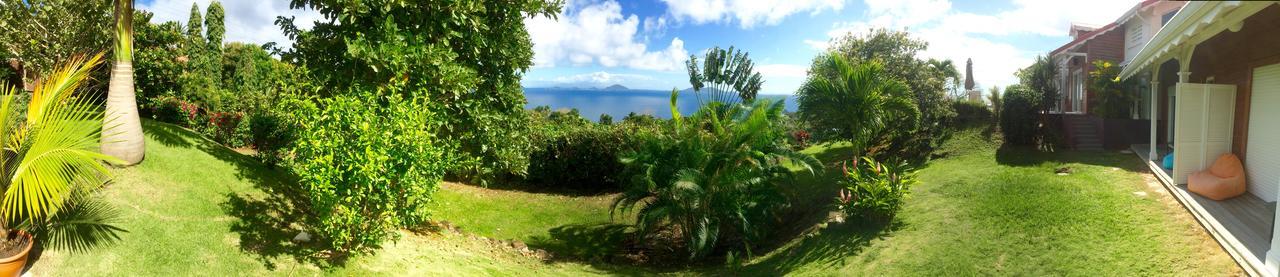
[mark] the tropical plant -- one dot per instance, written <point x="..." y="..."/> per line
<point x="471" y="54"/>
<point x="874" y="191"/>
<point x="726" y="76"/>
<point x="713" y="178"/>
<point x="947" y="69"/>
<point x="971" y="113"/>
<point x="124" y="141"/>
<point x="1041" y="77"/>
<point x="52" y="165"/>
<point x="1018" y="115"/>
<point x="1112" y="97"/>
<point x="857" y="103"/>
<point x="898" y="52"/>
<point x="369" y="163"/>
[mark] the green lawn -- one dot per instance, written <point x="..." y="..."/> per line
<point x="197" y="208"/>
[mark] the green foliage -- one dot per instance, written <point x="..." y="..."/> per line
<point x="713" y="178"/>
<point x="1112" y="97"/>
<point x="996" y="102"/>
<point x="857" y="102"/>
<point x="580" y="155"/>
<point x="215" y="28"/>
<point x="724" y="74"/>
<point x="970" y="113"/>
<point x="874" y="191"/>
<point x="470" y="53"/>
<point x="605" y="119"/>
<point x="1041" y="77"/>
<point x="195" y="27"/>
<point x="926" y="80"/>
<point x="51" y="161"/>
<point x="368" y="163"/>
<point x="157" y="49"/>
<point x="1019" y="115"/>
<point x="42" y="33"/>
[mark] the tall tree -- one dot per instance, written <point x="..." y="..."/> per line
<point x="897" y="52"/>
<point x="214" y="27"/>
<point x="194" y="27"/>
<point x="466" y="56"/>
<point x="122" y="129"/>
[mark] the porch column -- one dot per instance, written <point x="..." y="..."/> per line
<point x="1184" y="76"/>
<point x="1155" y="107"/>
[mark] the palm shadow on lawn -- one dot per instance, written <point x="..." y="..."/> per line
<point x="266" y="221"/>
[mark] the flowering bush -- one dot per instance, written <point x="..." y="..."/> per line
<point x="801" y="138"/>
<point x="874" y="191"/>
<point x="224" y="125"/>
<point x="192" y="113"/>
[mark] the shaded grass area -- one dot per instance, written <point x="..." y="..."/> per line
<point x="988" y="210"/>
<point x="196" y="208"/>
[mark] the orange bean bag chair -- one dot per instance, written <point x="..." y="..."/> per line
<point x="1225" y="179"/>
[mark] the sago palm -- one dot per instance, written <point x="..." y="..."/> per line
<point x="125" y="140"/>
<point x="714" y="178"/>
<point x="51" y="162"/>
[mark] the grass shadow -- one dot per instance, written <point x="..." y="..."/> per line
<point x="268" y="218"/>
<point x="1022" y="156"/>
<point x="591" y="242"/>
<point x="828" y="248"/>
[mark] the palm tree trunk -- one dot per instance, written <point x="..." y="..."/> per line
<point x="122" y="131"/>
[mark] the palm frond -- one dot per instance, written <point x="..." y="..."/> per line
<point x="83" y="223"/>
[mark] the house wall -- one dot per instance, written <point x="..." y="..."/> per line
<point x="1230" y="57"/>
<point x="1142" y="27"/>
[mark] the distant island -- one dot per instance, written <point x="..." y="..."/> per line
<point x="616" y="87"/>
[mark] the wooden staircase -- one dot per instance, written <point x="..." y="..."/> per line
<point x="1082" y="133"/>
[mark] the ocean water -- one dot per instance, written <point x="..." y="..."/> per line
<point x="591" y="103"/>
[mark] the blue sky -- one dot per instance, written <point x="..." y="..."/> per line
<point x="644" y="43"/>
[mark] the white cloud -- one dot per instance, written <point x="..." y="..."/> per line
<point x="748" y="13"/>
<point x="601" y="78"/>
<point x="246" y="21"/>
<point x="782" y="78"/>
<point x="783" y="70"/>
<point x="598" y="33"/>
<point x="959" y="35"/>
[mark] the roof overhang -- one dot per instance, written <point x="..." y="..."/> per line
<point x="1195" y="23"/>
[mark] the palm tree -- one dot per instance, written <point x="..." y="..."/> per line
<point x="947" y="69"/>
<point x="51" y="165"/>
<point x="125" y="142"/>
<point x="859" y="103"/>
<point x="994" y="97"/>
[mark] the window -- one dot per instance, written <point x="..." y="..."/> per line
<point x="1164" y="19"/>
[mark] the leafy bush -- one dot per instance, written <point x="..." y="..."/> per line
<point x="165" y="108"/>
<point x="713" y="178"/>
<point x="369" y="164"/>
<point x="584" y="157"/>
<point x="1020" y="118"/>
<point x="269" y="133"/>
<point x="224" y="126"/>
<point x="969" y="113"/>
<point x="874" y="191"/>
<point x="1113" y="98"/>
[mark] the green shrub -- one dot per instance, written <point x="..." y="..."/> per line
<point x="582" y="157"/>
<point x="1020" y="119"/>
<point x="970" y="113"/>
<point x="165" y="108"/>
<point x="874" y="191"/>
<point x="368" y="164"/>
<point x="713" y="178"/>
<point x="269" y="133"/>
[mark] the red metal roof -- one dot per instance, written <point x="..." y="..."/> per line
<point x="1103" y="29"/>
